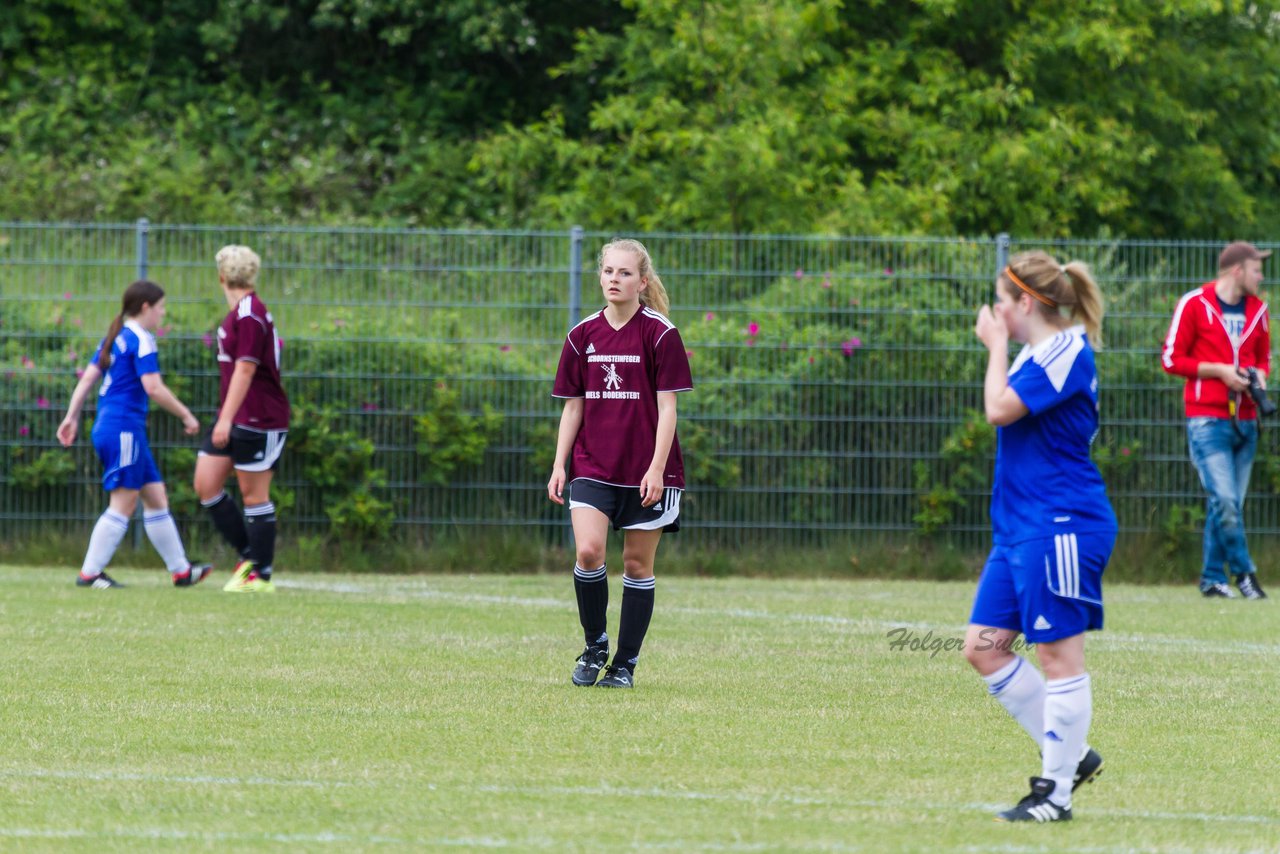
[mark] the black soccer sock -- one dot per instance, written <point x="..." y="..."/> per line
<point x="227" y="519"/>
<point x="637" y="608"/>
<point x="260" y="522"/>
<point x="592" y="589"/>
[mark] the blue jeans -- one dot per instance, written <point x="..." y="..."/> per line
<point x="1224" y="459"/>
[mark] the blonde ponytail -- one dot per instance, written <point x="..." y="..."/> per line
<point x="1088" y="307"/>
<point x="1059" y="289"/>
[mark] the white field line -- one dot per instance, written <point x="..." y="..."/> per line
<point x="940" y="633"/>
<point x="670" y="794"/>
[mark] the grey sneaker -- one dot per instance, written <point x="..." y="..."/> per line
<point x="1249" y="587"/>
<point x="590" y="663"/>
<point x="616" y="677"/>
<point x="1217" y="591"/>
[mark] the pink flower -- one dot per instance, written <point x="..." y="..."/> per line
<point x="811" y="360"/>
<point x="79" y="373"/>
<point x="77" y="322"/>
<point x="162" y="331"/>
<point x="799" y="273"/>
<point x="27" y="363"/>
<point x="851" y="345"/>
<point x="505" y="348"/>
<point x="753" y="329"/>
<point x="1124" y="452"/>
<point x="888" y="271"/>
<point x="711" y="315"/>
<point x="67" y="296"/>
<point x="24" y="430"/>
<point x="826" y="281"/>
<point x="688" y="354"/>
<point x="368" y="407"/>
<point x="42" y="402"/>
<point x="207" y="340"/>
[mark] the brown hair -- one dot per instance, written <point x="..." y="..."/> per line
<point x="141" y="293"/>
<point x="1056" y="287"/>
<point x="654" y="295"/>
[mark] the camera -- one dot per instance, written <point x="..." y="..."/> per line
<point x="1258" y="393"/>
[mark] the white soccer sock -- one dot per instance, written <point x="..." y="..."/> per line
<point x="163" y="533"/>
<point x="107" y="534"/>
<point x="1068" y="711"/>
<point x="1021" y="690"/>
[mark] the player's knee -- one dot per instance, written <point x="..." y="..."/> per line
<point x="633" y="568"/>
<point x="590" y="555"/>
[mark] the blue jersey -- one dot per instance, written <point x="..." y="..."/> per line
<point x="122" y="401"/>
<point x="1045" y="481"/>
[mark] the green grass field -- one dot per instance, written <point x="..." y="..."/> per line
<point x="435" y="713"/>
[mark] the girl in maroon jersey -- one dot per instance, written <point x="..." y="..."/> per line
<point x="619" y="373"/>
<point x="253" y="421"/>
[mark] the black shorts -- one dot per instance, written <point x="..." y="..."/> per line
<point x="249" y="449"/>
<point x="622" y="505"/>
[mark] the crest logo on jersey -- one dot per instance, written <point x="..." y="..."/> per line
<point x="612" y="381"/>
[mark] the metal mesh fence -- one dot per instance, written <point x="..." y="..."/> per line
<point x="837" y="379"/>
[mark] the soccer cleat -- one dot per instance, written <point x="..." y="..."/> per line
<point x="194" y="574"/>
<point x="616" y="677"/>
<point x="1217" y="591"/>
<point x="253" y="584"/>
<point x="590" y="663"/>
<point x="1089" y="768"/>
<point x="1037" y="806"/>
<point x="239" y="576"/>
<point x="1249" y="587"/>
<point x="98" y="582"/>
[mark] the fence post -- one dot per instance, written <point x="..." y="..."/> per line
<point x="141" y="229"/>
<point x="1002" y="253"/>
<point x="575" y="275"/>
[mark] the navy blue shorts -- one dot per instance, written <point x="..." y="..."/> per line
<point x="1048" y="588"/>
<point x="622" y="505"/>
<point x="126" y="458"/>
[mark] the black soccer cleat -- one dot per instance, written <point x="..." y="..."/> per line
<point x="1089" y="769"/>
<point x="616" y="677"/>
<point x="98" y="582"/>
<point x="1037" y="806"/>
<point x="1249" y="587"/>
<point x="194" y="574"/>
<point x="590" y="663"/>
<point x="1217" y="590"/>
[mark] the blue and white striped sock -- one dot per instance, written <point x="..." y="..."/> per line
<point x="1068" y="711"/>
<point x="1020" y="689"/>
<point x="163" y="533"/>
<point x="103" y="542"/>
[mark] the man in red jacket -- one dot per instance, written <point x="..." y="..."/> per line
<point x="1220" y="330"/>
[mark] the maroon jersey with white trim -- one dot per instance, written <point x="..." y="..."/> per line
<point x="619" y="372"/>
<point x="248" y="333"/>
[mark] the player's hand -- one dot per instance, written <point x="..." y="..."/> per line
<point x="651" y="487"/>
<point x="555" y="486"/>
<point x="67" y="431"/>
<point x="990" y="328"/>
<point x="221" y="434"/>
<point x="190" y="425"/>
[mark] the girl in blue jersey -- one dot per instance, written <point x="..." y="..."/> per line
<point x="126" y="361"/>
<point x="1052" y="523"/>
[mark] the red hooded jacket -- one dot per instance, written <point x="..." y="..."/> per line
<point x="1199" y="334"/>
